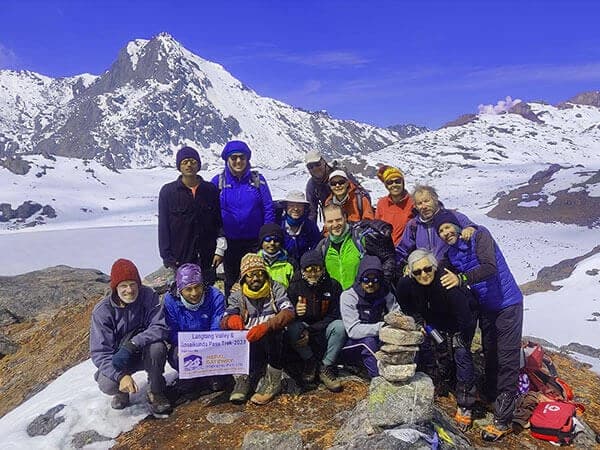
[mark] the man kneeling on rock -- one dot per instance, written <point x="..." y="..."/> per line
<point x="262" y="307"/>
<point x="128" y="334"/>
<point x="362" y="307"/>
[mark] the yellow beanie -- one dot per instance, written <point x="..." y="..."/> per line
<point x="389" y="173"/>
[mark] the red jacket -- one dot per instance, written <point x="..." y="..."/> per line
<point x="350" y="206"/>
<point x="396" y="215"/>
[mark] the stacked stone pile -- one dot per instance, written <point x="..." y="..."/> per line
<point x="401" y="340"/>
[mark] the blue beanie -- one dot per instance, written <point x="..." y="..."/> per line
<point x="236" y="147"/>
<point x="185" y="153"/>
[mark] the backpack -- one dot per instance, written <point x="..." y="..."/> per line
<point x="542" y="374"/>
<point x="254" y="180"/>
<point x="554" y="422"/>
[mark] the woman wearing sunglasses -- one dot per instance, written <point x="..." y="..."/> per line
<point x="345" y="193"/>
<point x="452" y="313"/>
<point x="395" y="208"/>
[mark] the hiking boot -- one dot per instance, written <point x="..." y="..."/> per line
<point x="329" y="379"/>
<point x="463" y="418"/>
<point x="495" y="431"/>
<point x="120" y="401"/>
<point x="241" y="389"/>
<point x="159" y="403"/>
<point x="269" y="386"/>
<point x="309" y="370"/>
<point x="217" y="383"/>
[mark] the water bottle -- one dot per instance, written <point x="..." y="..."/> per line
<point x="435" y="334"/>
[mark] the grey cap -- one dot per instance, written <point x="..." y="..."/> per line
<point x="312" y="157"/>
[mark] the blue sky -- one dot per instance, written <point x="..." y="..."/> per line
<point x="381" y="62"/>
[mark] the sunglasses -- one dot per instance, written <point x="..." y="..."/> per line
<point x="271" y="239"/>
<point x="235" y="157"/>
<point x="313" y="269"/>
<point x="313" y="165"/>
<point x="418" y="272"/>
<point x="337" y="183"/>
<point x="396" y="181"/>
<point x="367" y="280"/>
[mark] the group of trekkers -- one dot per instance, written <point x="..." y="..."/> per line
<point x="311" y="299"/>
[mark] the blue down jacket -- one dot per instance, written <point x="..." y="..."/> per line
<point x="497" y="289"/>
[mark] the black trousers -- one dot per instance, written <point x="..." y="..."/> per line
<point x="501" y="333"/>
<point x="267" y="350"/>
<point x="236" y="249"/>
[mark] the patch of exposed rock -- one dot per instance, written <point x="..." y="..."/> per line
<point x="570" y="206"/>
<point x="591" y="98"/>
<point x="25" y="211"/>
<point x="462" y="120"/>
<point x="524" y="110"/>
<point x="550" y="274"/>
<point x="25" y="297"/>
<point x="15" y="164"/>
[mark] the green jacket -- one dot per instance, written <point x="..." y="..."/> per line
<point x="280" y="270"/>
<point x="343" y="265"/>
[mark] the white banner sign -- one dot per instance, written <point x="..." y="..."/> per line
<point x="213" y="353"/>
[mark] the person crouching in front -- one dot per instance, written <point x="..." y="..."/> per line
<point x="262" y="307"/>
<point x="128" y="334"/>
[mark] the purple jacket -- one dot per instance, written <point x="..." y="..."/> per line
<point x="420" y="234"/>
<point x="111" y="323"/>
<point x="244" y="207"/>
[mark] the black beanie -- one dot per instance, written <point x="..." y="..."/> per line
<point x="444" y="216"/>
<point x="311" y="258"/>
<point x="270" y="229"/>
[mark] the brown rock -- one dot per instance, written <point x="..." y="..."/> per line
<point x="396" y="372"/>
<point x="400" y="321"/>
<point x="400" y="337"/>
<point x="391" y="348"/>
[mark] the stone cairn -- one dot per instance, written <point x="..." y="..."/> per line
<point x="401" y="340"/>
<point x="399" y="396"/>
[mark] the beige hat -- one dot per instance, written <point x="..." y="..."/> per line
<point x="338" y="173"/>
<point x="250" y="262"/>
<point x="295" y="197"/>
<point x="312" y="157"/>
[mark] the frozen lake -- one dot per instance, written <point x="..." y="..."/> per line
<point x="95" y="248"/>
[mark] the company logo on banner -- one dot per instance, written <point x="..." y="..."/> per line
<point x="213" y="353"/>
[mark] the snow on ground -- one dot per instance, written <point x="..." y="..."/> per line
<point x="567" y="314"/>
<point x="86" y="408"/>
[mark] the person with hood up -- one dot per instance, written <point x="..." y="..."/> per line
<point x="362" y="308"/>
<point x="246" y="205"/>
<point x="195" y="307"/>
<point x="318" y="331"/>
<point x="481" y="265"/>
<point x="128" y="334"/>
<point x="190" y="226"/>
<point x="262" y="307"/>
<point x="346" y="194"/>
<point x="419" y="231"/>
<point x="280" y="266"/>
<point x="453" y="313"/>
<point x="397" y="207"/>
<point x="301" y="233"/>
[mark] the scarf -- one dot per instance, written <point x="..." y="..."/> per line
<point x="270" y="258"/>
<point x="295" y="222"/>
<point x="341" y="237"/>
<point x="341" y="202"/>
<point x="263" y="292"/>
<point x="190" y="306"/>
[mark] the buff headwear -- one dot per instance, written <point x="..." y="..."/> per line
<point x="188" y="275"/>
<point x="389" y="173"/>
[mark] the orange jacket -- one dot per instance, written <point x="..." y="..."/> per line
<point x="396" y="215"/>
<point x="350" y="206"/>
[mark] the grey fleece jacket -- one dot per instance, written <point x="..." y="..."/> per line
<point x="354" y="327"/>
<point x="111" y="323"/>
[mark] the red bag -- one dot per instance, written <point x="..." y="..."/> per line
<point x="553" y="421"/>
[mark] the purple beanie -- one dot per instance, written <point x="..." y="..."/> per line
<point x="444" y="216"/>
<point x="236" y="147"/>
<point x="188" y="275"/>
<point x="185" y="153"/>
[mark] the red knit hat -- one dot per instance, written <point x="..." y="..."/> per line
<point x="123" y="270"/>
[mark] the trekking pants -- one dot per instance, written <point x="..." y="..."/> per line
<point x="267" y="350"/>
<point x="363" y="350"/>
<point x="327" y="342"/>
<point x="236" y="249"/>
<point x="152" y="359"/>
<point x="501" y="338"/>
